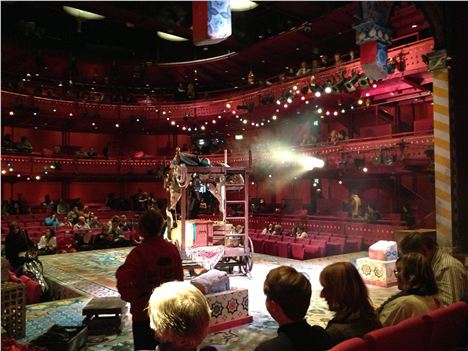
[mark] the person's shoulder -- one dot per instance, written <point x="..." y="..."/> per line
<point x="281" y="342"/>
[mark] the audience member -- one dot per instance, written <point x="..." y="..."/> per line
<point x="84" y="240"/>
<point x="24" y="145"/>
<point x="48" y="243"/>
<point x="8" y="143"/>
<point x="62" y="207"/>
<point x="52" y="220"/>
<point x="288" y="295"/>
<point x="268" y="230"/>
<point x="303" y="70"/>
<point x="179" y="316"/>
<point x="418" y="293"/>
<point x="150" y="264"/>
<point x="91" y="153"/>
<point x="301" y="233"/>
<point x="94" y="223"/>
<point x="278" y="230"/>
<point x="81" y="225"/>
<point x="73" y="215"/>
<point x="349" y="299"/>
<point x="105" y="239"/>
<point x="450" y="274"/>
<point x="16" y="242"/>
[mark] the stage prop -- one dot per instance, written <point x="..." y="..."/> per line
<point x="205" y="242"/>
<point x="104" y="315"/>
<point x="229" y="309"/>
<point x="377" y="269"/>
<point x="211" y="22"/>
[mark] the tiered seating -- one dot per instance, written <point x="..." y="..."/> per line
<point x="438" y="330"/>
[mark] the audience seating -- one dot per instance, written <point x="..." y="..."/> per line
<point x="447" y="326"/>
<point x="354" y="344"/>
<point x="438" y="330"/>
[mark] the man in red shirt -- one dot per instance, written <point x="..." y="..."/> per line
<point x="154" y="262"/>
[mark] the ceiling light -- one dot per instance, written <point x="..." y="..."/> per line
<point x="242" y="5"/>
<point x="414" y="26"/>
<point x="82" y="14"/>
<point x="170" y="37"/>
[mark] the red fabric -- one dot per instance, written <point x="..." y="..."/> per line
<point x="284" y="249"/>
<point x="200" y="20"/>
<point x="368" y="52"/>
<point x="354" y="344"/>
<point x="33" y="289"/>
<point x="409" y="335"/>
<point x="446" y="326"/>
<point x="147" y="266"/>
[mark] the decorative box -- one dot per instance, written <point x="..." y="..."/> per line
<point x="229" y="309"/>
<point x="383" y="250"/>
<point x="104" y="315"/>
<point x="59" y="338"/>
<point x="376" y="272"/>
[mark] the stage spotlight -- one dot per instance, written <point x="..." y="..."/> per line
<point x="349" y="84"/>
<point x="364" y="82"/>
<point x="336" y="88"/>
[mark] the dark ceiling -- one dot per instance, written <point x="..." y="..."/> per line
<point x="266" y="39"/>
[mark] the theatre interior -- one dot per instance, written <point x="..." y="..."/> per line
<point x="268" y="133"/>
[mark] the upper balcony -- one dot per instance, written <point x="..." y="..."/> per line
<point x="393" y="154"/>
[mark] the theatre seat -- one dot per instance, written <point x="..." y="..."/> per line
<point x="354" y="344"/>
<point x="284" y="249"/>
<point x="297" y="251"/>
<point x="408" y="335"/>
<point x="258" y="245"/>
<point x="270" y="248"/>
<point x="446" y="326"/>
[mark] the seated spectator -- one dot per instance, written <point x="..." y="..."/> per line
<point x="293" y="231"/>
<point x="268" y="230"/>
<point x="91" y="153"/>
<point x="450" y="274"/>
<point x="104" y="240"/>
<point x="337" y="58"/>
<point x="191" y="93"/>
<point x="16" y="242"/>
<point x="84" y="241"/>
<point x="62" y="207"/>
<point x="66" y="223"/>
<point x="24" y="145"/>
<point x="301" y="233"/>
<point x="73" y="215"/>
<point x="418" y="293"/>
<point x="303" y="69"/>
<point x="180" y="93"/>
<point x="52" y="220"/>
<point x="48" y="243"/>
<point x="8" y="143"/>
<point x="81" y="225"/>
<point x="354" y="314"/>
<point x="179" y="316"/>
<point x="278" y="230"/>
<point x="288" y="295"/>
<point x="124" y="225"/>
<point x="87" y="214"/>
<point x="94" y="223"/>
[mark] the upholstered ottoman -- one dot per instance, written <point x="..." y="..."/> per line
<point x="229" y="309"/>
<point x="376" y="272"/>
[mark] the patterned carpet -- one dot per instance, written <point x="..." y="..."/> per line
<point x="83" y="275"/>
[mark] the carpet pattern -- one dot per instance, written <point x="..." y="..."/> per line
<point x="92" y="274"/>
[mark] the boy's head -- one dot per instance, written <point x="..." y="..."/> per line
<point x="289" y="290"/>
<point x="179" y="315"/>
<point x="150" y="223"/>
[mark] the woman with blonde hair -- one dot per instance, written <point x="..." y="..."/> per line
<point x="347" y="296"/>
<point x="418" y="293"/>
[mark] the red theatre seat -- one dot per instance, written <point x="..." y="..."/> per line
<point x="297" y="251"/>
<point x="354" y="344"/>
<point x="408" y="335"/>
<point x="284" y="249"/>
<point x="271" y="248"/>
<point x="258" y="245"/>
<point x="446" y="326"/>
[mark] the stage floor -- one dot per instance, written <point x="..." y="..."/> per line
<point x="89" y="274"/>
